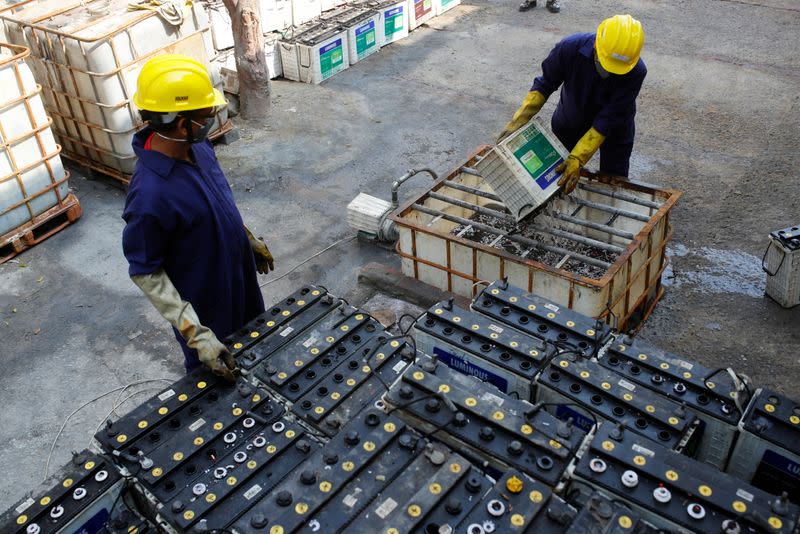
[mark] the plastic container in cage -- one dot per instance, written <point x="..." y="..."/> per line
<point x="521" y="169"/>
<point x="314" y="55"/>
<point x="87" y="58"/>
<point x="420" y="12"/>
<point x="33" y="182"/>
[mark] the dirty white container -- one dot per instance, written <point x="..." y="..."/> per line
<point x="445" y="5"/>
<point x="521" y="169"/>
<point x="420" y="12"/>
<point x="305" y="10"/>
<point x="221" y="25"/>
<point x="781" y="263"/>
<point x="327" y="5"/>
<point x="315" y="54"/>
<point x="362" y="32"/>
<point x="87" y="58"/>
<point x="32" y="177"/>
<point x="276" y="15"/>
<point x="392" y="21"/>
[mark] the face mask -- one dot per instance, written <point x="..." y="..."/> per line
<point x="201" y="134"/>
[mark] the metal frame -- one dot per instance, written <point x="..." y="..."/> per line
<point x="655" y="262"/>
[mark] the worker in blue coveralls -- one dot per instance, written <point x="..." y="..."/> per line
<point x="600" y="75"/>
<point x="184" y="239"/>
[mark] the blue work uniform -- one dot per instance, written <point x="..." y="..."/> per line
<point x="587" y="100"/>
<point x="181" y="217"/>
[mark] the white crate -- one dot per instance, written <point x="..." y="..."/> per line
<point x="521" y="169"/>
<point x="782" y="266"/>
<point x="315" y="55"/>
<point x="420" y="12"/>
<point x="276" y="15"/>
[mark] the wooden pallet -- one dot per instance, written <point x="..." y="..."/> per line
<point x="40" y="228"/>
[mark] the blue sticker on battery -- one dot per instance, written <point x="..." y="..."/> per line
<point x="781" y="463"/>
<point x="461" y="365"/>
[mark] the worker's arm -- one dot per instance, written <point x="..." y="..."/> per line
<point x="580" y="156"/>
<point x="161" y="292"/>
<point x="264" y="261"/>
<point x="533" y="102"/>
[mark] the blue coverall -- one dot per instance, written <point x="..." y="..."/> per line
<point x="587" y="100"/>
<point x="181" y="216"/>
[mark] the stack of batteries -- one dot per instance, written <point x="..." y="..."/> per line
<point x="514" y="415"/>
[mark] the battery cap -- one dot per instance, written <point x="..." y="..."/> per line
<point x="514" y="484"/>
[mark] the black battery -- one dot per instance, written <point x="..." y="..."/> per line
<point x="296" y="368"/>
<point x="517" y="503"/>
<point x="587" y="393"/>
<point x="276" y="317"/>
<point x="604" y="515"/>
<point x="80" y="497"/>
<point x="475" y="345"/>
<point x="474" y="417"/>
<point x="225" y="486"/>
<point x="716" y="397"/>
<point x="309" y="488"/>
<point x="435" y="492"/>
<point x="293" y="322"/>
<point x="767" y="453"/>
<point x="675" y="492"/>
<point x="539" y="317"/>
<point x="354" y="384"/>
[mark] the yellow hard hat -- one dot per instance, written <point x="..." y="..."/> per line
<point x="618" y="43"/>
<point x="172" y="83"/>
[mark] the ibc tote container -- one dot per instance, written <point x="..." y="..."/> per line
<point x="87" y="58"/>
<point x="33" y="182"/>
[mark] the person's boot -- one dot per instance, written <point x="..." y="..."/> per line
<point x="527" y="4"/>
<point x="553" y="6"/>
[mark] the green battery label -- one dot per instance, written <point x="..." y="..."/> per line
<point x="365" y="40"/>
<point x="393" y="21"/>
<point x="331" y="59"/>
<point x="534" y="152"/>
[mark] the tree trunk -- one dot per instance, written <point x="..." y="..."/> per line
<point x="254" y="87"/>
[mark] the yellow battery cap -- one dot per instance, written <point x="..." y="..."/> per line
<point x="514" y="484"/>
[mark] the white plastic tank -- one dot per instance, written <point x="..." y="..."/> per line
<point x="32" y="177"/>
<point x="221" y="25"/>
<point x="315" y="54"/>
<point x="392" y="22"/>
<point x="276" y="15"/>
<point x="420" y="12"/>
<point x="87" y="58"/>
<point x="305" y="10"/>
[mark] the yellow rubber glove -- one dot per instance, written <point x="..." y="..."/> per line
<point x="264" y="260"/>
<point x="533" y="102"/>
<point x="165" y="298"/>
<point x="580" y="155"/>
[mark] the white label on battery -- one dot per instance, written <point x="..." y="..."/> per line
<point x="24" y="506"/>
<point x="488" y="397"/>
<point x="386" y="508"/>
<point x="642" y="450"/>
<point x="495" y="328"/>
<point x="746" y="495"/>
<point x="627" y="385"/>
<point x="167" y="394"/>
<point x="686" y="365"/>
<point x="399" y="366"/>
<point x="197" y="424"/>
<point x="252" y="492"/>
<point x="310" y="341"/>
<point x="286" y="331"/>
<point x="351" y="499"/>
<point x="551" y="307"/>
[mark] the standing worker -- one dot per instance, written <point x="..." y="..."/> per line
<point x="184" y="239"/>
<point x="601" y="75"/>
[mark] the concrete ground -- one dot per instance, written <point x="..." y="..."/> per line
<point x="718" y="118"/>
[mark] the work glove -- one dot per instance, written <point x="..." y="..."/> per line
<point x="533" y="102"/>
<point x="161" y="292"/>
<point x="570" y="168"/>
<point x="264" y="260"/>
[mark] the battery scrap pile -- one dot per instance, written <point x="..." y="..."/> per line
<point x="512" y="415"/>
